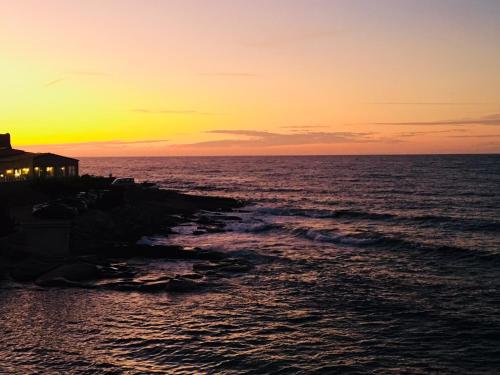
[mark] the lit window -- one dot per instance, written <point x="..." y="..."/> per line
<point x="9" y="171"/>
<point x="26" y="171"/>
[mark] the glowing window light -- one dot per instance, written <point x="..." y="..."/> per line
<point x="25" y="171"/>
<point x="17" y="173"/>
<point x="9" y="171"/>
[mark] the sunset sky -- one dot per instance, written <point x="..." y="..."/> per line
<point x="239" y="77"/>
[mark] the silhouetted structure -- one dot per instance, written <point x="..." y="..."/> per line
<point x="18" y="165"/>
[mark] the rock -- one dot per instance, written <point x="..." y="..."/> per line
<point x="30" y="270"/>
<point x="229" y="265"/>
<point x="145" y="251"/>
<point x="78" y="203"/>
<point x="214" y="229"/>
<point x="54" y="211"/>
<point x="122" y="286"/>
<point x="210" y="255"/>
<point x="230" y="218"/>
<point x="205" y="266"/>
<point x="182" y="285"/>
<point x="193" y="276"/>
<point x="235" y="268"/>
<point x="79" y="271"/>
<point x="154" y="286"/>
<point x="62" y="282"/>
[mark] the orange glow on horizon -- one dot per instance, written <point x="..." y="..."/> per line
<point x="174" y="78"/>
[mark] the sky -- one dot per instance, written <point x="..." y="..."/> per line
<point x="239" y="77"/>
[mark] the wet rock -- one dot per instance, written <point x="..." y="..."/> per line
<point x="193" y="276"/>
<point x="230" y="218"/>
<point x="205" y="266"/>
<point x="211" y="255"/>
<point x="31" y="269"/>
<point x="214" y="229"/>
<point x="121" y="286"/>
<point x="235" y="268"/>
<point x="62" y="282"/>
<point x="74" y="272"/>
<point x="228" y="265"/>
<point x="182" y="285"/>
<point x="154" y="286"/>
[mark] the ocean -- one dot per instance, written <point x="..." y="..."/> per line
<point x="363" y="264"/>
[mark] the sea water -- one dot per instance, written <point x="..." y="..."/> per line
<point x="363" y="264"/>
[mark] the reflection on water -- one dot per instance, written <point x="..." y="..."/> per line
<point x="378" y="265"/>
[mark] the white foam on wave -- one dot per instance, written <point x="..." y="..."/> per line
<point x="335" y="237"/>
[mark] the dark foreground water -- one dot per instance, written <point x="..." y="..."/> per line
<point x="363" y="265"/>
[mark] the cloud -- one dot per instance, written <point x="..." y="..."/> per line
<point x="76" y="73"/>
<point x="171" y="112"/>
<point x="112" y="143"/>
<point x="427" y="103"/>
<point x="54" y="82"/>
<point x="415" y="134"/>
<point x="268" y="139"/>
<point x="305" y="127"/>
<point x="229" y="74"/>
<point x="485" y="120"/>
<point x="88" y="73"/>
<point x="476" y="136"/>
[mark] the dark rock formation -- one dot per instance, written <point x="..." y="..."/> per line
<point x="75" y="272"/>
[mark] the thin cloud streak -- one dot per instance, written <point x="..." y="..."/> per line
<point x="476" y="136"/>
<point x="415" y="134"/>
<point x="54" y="82"/>
<point x="485" y="120"/>
<point x="268" y="139"/>
<point x="111" y="143"/>
<point x="305" y="127"/>
<point x="171" y="112"/>
<point x="89" y="73"/>
<point x="427" y="103"/>
<point x="229" y="74"/>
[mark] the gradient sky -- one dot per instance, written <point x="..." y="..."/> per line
<point x="239" y="77"/>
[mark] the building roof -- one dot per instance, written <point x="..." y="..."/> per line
<point x="44" y="154"/>
<point x="15" y="155"/>
<point x="18" y="155"/>
<point x="9" y="154"/>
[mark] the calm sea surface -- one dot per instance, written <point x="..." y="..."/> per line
<point x="382" y="265"/>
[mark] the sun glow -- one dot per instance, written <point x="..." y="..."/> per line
<point x="164" y="78"/>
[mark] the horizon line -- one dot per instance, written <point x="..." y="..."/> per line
<point x="290" y="155"/>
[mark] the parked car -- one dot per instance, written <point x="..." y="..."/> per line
<point x="123" y="181"/>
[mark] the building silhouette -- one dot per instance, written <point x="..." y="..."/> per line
<point x="18" y="165"/>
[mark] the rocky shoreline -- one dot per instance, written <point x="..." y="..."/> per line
<point x="106" y="226"/>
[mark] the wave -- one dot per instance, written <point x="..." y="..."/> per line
<point x="458" y="223"/>
<point x="377" y="240"/>
<point x="340" y="238"/>
<point x="253" y="227"/>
